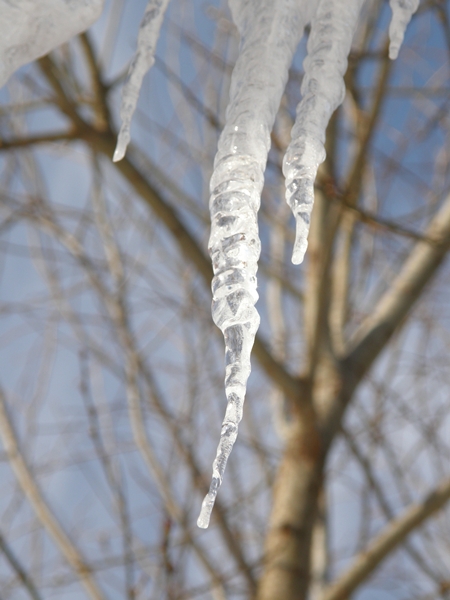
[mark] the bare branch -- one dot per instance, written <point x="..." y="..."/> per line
<point x="18" y="568"/>
<point x="417" y="272"/>
<point x="394" y="533"/>
<point x="42" y="509"/>
<point x="33" y="140"/>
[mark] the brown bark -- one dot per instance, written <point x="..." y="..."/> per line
<point x="286" y="573"/>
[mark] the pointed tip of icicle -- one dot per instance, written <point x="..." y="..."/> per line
<point x="393" y="51"/>
<point x="299" y="251"/>
<point x="298" y="255"/>
<point x="206" y="510"/>
<point x="203" y="521"/>
<point x="123" y="140"/>
<point x="300" y="197"/>
<point x="118" y="154"/>
<point x="301" y="235"/>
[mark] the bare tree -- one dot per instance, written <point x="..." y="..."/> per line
<point x="112" y="371"/>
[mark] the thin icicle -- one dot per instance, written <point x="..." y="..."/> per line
<point x="270" y="31"/>
<point x="31" y="28"/>
<point x="323" y="89"/>
<point x="142" y="62"/>
<point x="402" y="11"/>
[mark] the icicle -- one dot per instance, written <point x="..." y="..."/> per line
<point x="270" y="31"/>
<point x="402" y="11"/>
<point x="142" y="62"/>
<point x="323" y="89"/>
<point x="29" y="29"/>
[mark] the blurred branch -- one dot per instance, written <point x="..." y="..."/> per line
<point x="417" y="271"/>
<point x="19" y="570"/>
<point x="54" y="78"/>
<point x="113" y="477"/>
<point x="43" y="511"/>
<point x="98" y="86"/>
<point x="368" y="470"/>
<point x="33" y="140"/>
<point x="369" y="123"/>
<point x="389" y="538"/>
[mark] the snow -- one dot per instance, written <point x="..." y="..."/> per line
<point x="270" y="31"/>
<point x="402" y="11"/>
<point x="143" y="60"/>
<point x="29" y="29"/>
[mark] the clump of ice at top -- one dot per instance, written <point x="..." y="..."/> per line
<point x="31" y="28"/>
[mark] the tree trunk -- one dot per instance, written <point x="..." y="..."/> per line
<point x="287" y="552"/>
<point x="297" y="489"/>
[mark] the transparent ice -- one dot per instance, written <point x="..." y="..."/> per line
<point x="142" y="62"/>
<point x="323" y="90"/>
<point x="270" y="31"/>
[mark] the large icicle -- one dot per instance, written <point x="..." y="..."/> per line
<point x="31" y="28"/>
<point x="323" y="89"/>
<point x="402" y="11"/>
<point x="142" y="62"/>
<point x="270" y="31"/>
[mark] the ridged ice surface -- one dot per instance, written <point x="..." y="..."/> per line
<point x="270" y="31"/>
<point x="142" y="62"/>
<point x="31" y="28"/>
<point x="323" y="89"/>
<point x="402" y="11"/>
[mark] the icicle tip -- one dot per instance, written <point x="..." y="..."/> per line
<point x="120" y="150"/>
<point x="118" y="155"/>
<point x="208" y="503"/>
<point x="393" y="51"/>
<point x="204" y="516"/>
<point x="299" y="251"/>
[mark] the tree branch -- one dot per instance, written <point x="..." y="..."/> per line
<point x="40" y="506"/>
<point x="394" y="533"/>
<point x="33" y="140"/>
<point x="367" y="467"/>
<point x="417" y="271"/>
<point x="19" y="570"/>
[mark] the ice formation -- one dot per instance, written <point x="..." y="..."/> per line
<point x="270" y="31"/>
<point x="143" y="60"/>
<point x="402" y="11"/>
<point x="31" y="28"/>
<point x="323" y="90"/>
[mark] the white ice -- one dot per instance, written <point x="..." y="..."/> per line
<point x="142" y="62"/>
<point x="402" y="11"/>
<point x="270" y="31"/>
<point x="323" y="90"/>
<point x="31" y="28"/>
